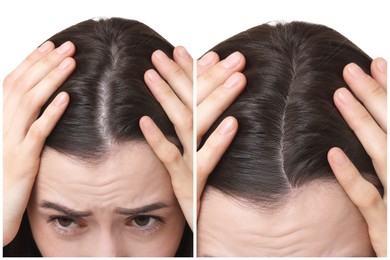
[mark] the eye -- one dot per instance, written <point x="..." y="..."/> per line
<point x="143" y="221"/>
<point x="66" y="222"/>
<point x="66" y="225"/>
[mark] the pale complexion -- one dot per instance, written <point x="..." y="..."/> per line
<point x="309" y="224"/>
<point x="126" y="205"/>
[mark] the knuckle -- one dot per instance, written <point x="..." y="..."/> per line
<point x="360" y="122"/>
<point x="376" y="91"/>
<point x="187" y="122"/>
<point x="29" y="102"/>
<point x="369" y="198"/>
<point x="166" y="95"/>
<point x="171" y="155"/>
<point x="37" y="131"/>
<point x="26" y="102"/>
<point x="209" y="76"/>
<point x="50" y="60"/>
<point x="177" y="71"/>
<point x="201" y="170"/>
<point x="8" y="81"/>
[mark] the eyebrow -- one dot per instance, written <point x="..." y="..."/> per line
<point x="65" y="210"/>
<point x="141" y="210"/>
<point x="122" y="211"/>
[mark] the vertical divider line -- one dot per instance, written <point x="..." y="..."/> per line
<point x="195" y="148"/>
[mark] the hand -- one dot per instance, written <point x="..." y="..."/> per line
<point x="219" y="84"/>
<point x="369" y="122"/>
<point x="176" y="97"/>
<point x="26" y="90"/>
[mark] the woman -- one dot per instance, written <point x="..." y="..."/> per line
<point x="91" y="184"/>
<point x="274" y="193"/>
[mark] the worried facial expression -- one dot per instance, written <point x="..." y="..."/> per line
<point x="317" y="220"/>
<point x="124" y="206"/>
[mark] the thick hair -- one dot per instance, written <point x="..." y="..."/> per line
<point x="108" y="95"/>
<point x="287" y="118"/>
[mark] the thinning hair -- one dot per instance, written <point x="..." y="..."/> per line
<point x="287" y="118"/>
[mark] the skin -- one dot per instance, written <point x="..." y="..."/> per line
<point x="310" y="223"/>
<point x="120" y="182"/>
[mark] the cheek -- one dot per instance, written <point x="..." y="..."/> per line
<point x="44" y="237"/>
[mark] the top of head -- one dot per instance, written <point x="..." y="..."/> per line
<point x="287" y="119"/>
<point x="107" y="91"/>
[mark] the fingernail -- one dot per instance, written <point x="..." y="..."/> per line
<point x="65" y="64"/>
<point x="64" y="48"/>
<point x="227" y="126"/>
<point x="45" y="47"/>
<point x="60" y="99"/>
<point x="354" y="70"/>
<point x="231" y="61"/>
<point x="147" y="123"/>
<point x="381" y="64"/>
<point x="232" y="81"/>
<point x="161" y="56"/>
<point x="152" y="75"/>
<point x="345" y="96"/>
<point x="339" y="157"/>
<point x="183" y="52"/>
<point x="206" y="59"/>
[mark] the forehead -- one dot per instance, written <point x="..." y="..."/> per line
<point x="317" y="220"/>
<point x="130" y="173"/>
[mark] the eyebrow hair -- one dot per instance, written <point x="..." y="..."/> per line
<point x="122" y="211"/>
<point x="141" y="210"/>
<point x="65" y="210"/>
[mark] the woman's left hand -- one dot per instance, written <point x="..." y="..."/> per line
<point x="176" y="97"/>
<point x="369" y="122"/>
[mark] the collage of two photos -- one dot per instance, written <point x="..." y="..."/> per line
<point x="269" y="142"/>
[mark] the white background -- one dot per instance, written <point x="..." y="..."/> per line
<point x="197" y="25"/>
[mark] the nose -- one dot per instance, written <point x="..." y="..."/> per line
<point x="107" y="245"/>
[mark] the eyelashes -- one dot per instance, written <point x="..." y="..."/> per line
<point x="65" y="225"/>
<point x="141" y="225"/>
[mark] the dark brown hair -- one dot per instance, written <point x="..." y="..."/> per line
<point x="108" y="96"/>
<point x="287" y="119"/>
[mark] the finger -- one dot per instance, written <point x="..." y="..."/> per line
<point x="169" y="154"/>
<point x="35" y="56"/>
<point x="33" y="101"/>
<point x="184" y="60"/>
<point x="215" y="76"/>
<point x="369" y="92"/>
<point x="379" y="71"/>
<point x="179" y="114"/>
<point x="41" y="68"/>
<point x="206" y="62"/>
<point x="43" y="126"/>
<point x="363" y="194"/>
<point x="175" y="76"/>
<point x="213" y="149"/>
<point x="218" y="101"/>
<point x="372" y="137"/>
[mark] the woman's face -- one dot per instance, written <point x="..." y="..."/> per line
<point x="317" y="220"/>
<point x="124" y="206"/>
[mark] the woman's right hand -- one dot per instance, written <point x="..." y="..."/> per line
<point x="218" y="84"/>
<point x="25" y="91"/>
